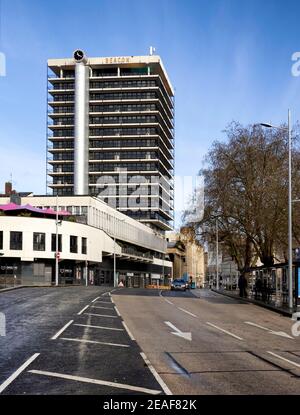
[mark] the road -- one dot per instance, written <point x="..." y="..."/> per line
<point x="103" y="341"/>
<point x="235" y="348"/>
<point x="69" y="340"/>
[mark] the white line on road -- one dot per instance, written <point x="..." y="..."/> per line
<point x="104" y="302"/>
<point x="128" y="331"/>
<point x="95" y="299"/>
<point x="224" y="331"/>
<point x="170" y="302"/>
<point x="98" y="327"/>
<point x="99" y="315"/>
<point x="96" y="382"/>
<point x="283" y="358"/>
<point x="103" y="308"/>
<point x="84" y="308"/>
<point x="94" y="342"/>
<point x="187" y="312"/>
<point x="17" y="372"/>
<point x="62" y="330"/>
<point x="156" y="375"/>
<point x="117" y="311"/>
<point x="256" y="325"/>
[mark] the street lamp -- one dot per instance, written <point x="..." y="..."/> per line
<point x="217" y="254"/>
<point x="290" y="243"/>
<point x="115" y="272"/>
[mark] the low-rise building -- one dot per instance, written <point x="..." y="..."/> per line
<point x="187" y="255"/>
<point x="89" y="238"/>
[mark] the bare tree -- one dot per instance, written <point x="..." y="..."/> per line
<point x="246" y="190"/>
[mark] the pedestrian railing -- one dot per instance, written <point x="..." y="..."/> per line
<point x="8" y="281"/>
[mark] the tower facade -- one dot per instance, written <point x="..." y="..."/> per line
<point x="111" y="133"/>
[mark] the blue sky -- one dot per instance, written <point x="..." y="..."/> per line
<point x="228" y="60"/>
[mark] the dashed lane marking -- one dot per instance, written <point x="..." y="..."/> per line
<point x="187" y="312"/>
<point x="94" y="342"/>
<point x="283" y="358"/>
<point x="62" y="330"/>
<point x="81" y="311"/>
<point x="224" y="331"/>
<point x="96" y="382"/>
<point x="128" y="331"/>
<point x="95" y="299"/>
<point x="8" y="381"/>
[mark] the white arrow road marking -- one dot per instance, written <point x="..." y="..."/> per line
<point x="177" y="332"/>
<point x="277" y="333"/>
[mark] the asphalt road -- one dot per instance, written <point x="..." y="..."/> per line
<point x="69" y="340"/>
<point x="235" y="348"/>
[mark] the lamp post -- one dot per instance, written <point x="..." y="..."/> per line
<point x="290" y="236"/>
<point x="115" y="271"/>
<point x="217" y="255"/>
<point x="56" y="243"/>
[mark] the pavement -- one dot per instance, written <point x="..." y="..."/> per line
<point x="202" y="343"/>
<point x="278" y="309"/>
<point x="70" y="341"/>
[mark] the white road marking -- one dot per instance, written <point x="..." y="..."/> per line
<point x="224" y="331"/>
<point x="95" y="299"/>
<point x="94" y="342"/>
<point x="81" y="311"/>
<point x="103" y="308"/>
<point x="156" y="375"/>
<point x="17" y="372"/>
<point x="283" y="358"/>
<point x="256" y="325"/>
<point x="96" y="382"/>
<point x="99" y="315"/>
<point x="112" y="300"/>
<point x="276" y="333"/>
<point x="117" y="311"/>
<point x="170" y="302"/>
<point x="186" y="311"/>
<point x="62" y="330"/>
<point x="128" y="331"/>
<point x="98" y="327"/>
<point x="104" y="302"/>
<point x="179" y="333"/>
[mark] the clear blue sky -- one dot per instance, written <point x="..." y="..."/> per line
<point x="228" y="60"/>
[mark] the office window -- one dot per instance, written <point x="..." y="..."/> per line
<point x="16" y="240"/>
<point x="53" y="242"/>
<point x="84" y="246"/>
<point x="39" y="241"/>
<point x="73" y="244"/>
<point x="1" y="239"/>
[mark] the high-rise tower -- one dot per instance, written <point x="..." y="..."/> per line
<point x="111" y="133"/>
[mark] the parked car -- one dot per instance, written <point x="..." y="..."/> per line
<point x="179" y="284"/>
